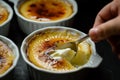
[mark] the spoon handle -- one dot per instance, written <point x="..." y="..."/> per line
<point x="82" y="39"/>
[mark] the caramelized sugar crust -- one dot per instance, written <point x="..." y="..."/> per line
<point x="6" y="57"/>
<point x="3" y="14"/>
<point x="45" y="10"/>
<point x="41" y="43"/>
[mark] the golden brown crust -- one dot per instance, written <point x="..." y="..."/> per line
<point x="45" y="10"/>
<point x="3" y="14"/>
<point x="6" y="57"/>
<point x="42" y="43"/>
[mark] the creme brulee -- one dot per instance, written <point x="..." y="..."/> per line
<point x="3" y="14"/>
<point x="42" y="44"/>
<point x="6" y="57"/>
<point x="45" y="10"/>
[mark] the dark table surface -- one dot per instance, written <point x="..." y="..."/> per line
<point x="109" y="69"/>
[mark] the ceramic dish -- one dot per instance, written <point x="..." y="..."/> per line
<point x="4" y="27"/>
<point x="15" y="53"/>
<point x="39" y="72"/>
<point x="28" y="25"/>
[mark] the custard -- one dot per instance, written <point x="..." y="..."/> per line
<point x="3" y="14"/>
<point x="66" y="59"/>
<point x="45" y="10"/>
<point x="6" y="57"/>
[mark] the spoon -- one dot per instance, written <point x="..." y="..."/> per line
<point x="74" y="44"/>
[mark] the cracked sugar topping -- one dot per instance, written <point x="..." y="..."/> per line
<point x="44" y="50"/>
<point x="6" y="57"/>
<point x="3" y="14"/>
<point x="46" y="10"/>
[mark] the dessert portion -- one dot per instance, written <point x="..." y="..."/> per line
<point x="44" y="50"/>
<point x="3" y="14"/>
<point x="45" y="10"/>
<point x="6" y="57"/>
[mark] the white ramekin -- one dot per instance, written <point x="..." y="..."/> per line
<point x="28" y="26"/>
<point x="4" y="27"/>
<point x="15" y="50"/>
<point x="40" y="73"/>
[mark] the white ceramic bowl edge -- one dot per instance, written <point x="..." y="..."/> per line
<point x="15" y="50"/>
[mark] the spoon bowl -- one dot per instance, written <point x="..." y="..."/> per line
<point x="73" y="45"/>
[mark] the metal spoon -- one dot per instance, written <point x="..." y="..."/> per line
<point x="74" y="44"/>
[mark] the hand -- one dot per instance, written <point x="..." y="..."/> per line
<point x="107" y="26"/>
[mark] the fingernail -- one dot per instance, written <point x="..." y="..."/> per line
<point x="94" y="34"/>
<point x="94" y="30"/>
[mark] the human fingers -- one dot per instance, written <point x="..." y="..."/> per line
<point x="105" y="30"/>
<point x="108" y="12"/>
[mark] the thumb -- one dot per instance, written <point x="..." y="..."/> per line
<point x="105" y="30"/>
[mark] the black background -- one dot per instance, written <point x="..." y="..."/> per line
<point x="109" y="69"/>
